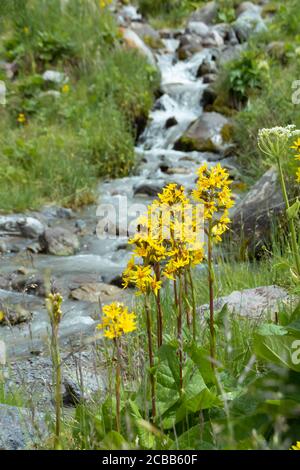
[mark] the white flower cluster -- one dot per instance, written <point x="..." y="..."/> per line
<point x="273" y="141"/>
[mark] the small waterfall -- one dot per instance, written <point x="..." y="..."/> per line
<point x="179" y="104"/>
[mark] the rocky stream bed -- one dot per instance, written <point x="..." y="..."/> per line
<point x="61" y="247"/>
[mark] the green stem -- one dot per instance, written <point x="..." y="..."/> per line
<point x="211" y="297"/>
<point x="291" y="221"/>
<point x="57" y="384"/>
<point x="118" y="384"/>
<point x="193" y="304"/>
<point x="159" y="310"/>
<point x="151" y="356"/>
<point x="180" y="339"/>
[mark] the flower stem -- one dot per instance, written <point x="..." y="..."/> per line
<point x="159" y="310"/>
<point x="211" y="297"/>
<point x="180" y="339"/>
<point x="151" y="357"/>
<point x="291" y="222"/>
<point x="57" y="384"/>
<point x="117" y="389"/>
<point x="193" y="304"/>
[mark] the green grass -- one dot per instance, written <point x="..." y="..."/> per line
<point x="87" y="132"/>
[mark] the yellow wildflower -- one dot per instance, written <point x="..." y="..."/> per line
<point x="26" y="30"/>
<point x="104" y="3"/>
<point x="65" y="88"/>
<point x="21" y="118"/>
<point x="117" y="321"/>
<point x="296" y="447"/>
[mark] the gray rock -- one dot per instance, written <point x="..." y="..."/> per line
<point x="248" y="23"/>
<point x="247" y="7"/>
<point x="198" y="27"/>
<point x="133" y="41"/>
<point x="20" y="429"/>
<point x="207" y="66"/>
<point x="28" y="227"/>
<point x="206" y="14"/>
<point x="130" y="13"/>
<point x="59" y="241"/>
<point x="252" y="303"/>
<point x="253" y="217"/>
<point x="204" y="135"/>
<point x="149" y="187"/>
<point x="208" y="97"/>
<point x="209" y="78"/>
<point x="145" y="31"/>
<point x="96" y="291"/>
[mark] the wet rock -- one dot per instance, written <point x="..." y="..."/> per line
<point x="95" y="292"/>
<point x="188" y="46"/>
<point x="20" y="429"/>
<point x="27" y="227"/>
<point x="198" y="27"/>
<point x="248" y="23"/>
<point x="214" y="39"/>
<point x="207" y="66"/>
<point x="226" y="32"/>
<point x="206" y="14"/>
<point x="59" y="241"/>
<point x="204" y="135"/>
<point x="133" y="41"/>
<point x="210" y="78"/>
<point x="149" y="188"/>
<point x="172" y="121"/>
<point x="80" y="225"/>
<point x="252" y="303"/>
<point x="72" y="394"/>
<point x="253" y="218"/>
<point x="130" y="13"/>
<point x="208" y="97"/>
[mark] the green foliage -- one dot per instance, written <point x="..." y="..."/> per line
<point x="77" y="130"/>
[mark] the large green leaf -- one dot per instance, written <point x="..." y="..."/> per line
<point x="146" y="438"/>
<point x="280" y="349"/>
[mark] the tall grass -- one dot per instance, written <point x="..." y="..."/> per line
<point x="72" y="134"/>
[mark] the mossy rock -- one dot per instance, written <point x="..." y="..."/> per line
<point x="153" y="43"/>
<point x="269" y="9"/>
<point x="187" y="144"/>
<point x="227" y="132"/>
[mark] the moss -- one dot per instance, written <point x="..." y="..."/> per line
<point x="227" y="132"/>
<point x="188" y="144"/>
<point x="153" y="43"/>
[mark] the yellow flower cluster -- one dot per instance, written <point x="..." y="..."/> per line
<point x="117" y="321"/>
<point x="53" y="302"/>
<point x="21" y="118"/>
<point x="296" y="447"/>
<point x="296" y="147"/>
<point x="213" y="191"/>
<point x="167" y="236"/>
<point x="104" y="3"/>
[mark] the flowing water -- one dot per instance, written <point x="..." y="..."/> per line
<point x="102" y="260"/>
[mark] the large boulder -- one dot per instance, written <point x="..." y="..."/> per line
<point x="253" y="218"/>
<point x="148" y="34"/>
<point x="59" y="241"/>
<point x="252" y="303"/>
<point x="96" y="292"/>
<point x="204" y="135"/>
<point x="20" y="429"/>
<point x="206" y="14"/>
<point x="133" y="41"/>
